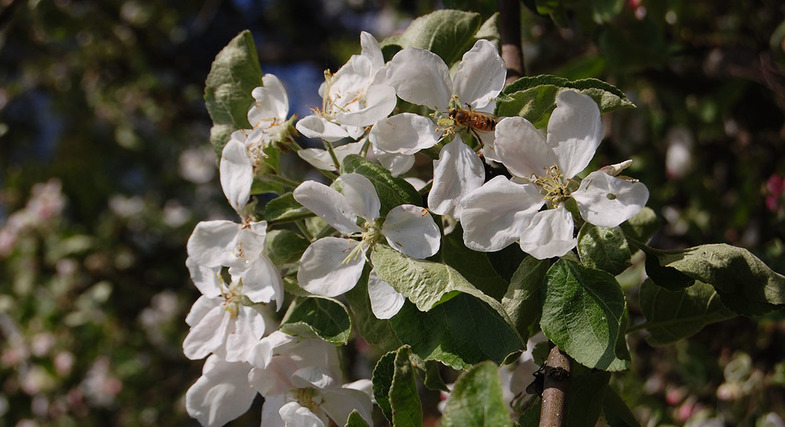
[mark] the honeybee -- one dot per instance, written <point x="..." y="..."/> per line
<point x="473" y="120"/>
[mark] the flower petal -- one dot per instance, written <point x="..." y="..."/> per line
<point x="328" y="204"/>
<point x="411" y="230"/>
<point x="458" y="172"/>
<point x="404" y="133"/>
<point x="370" y="49"/>
<point x="378" y="103"/>
<point x="549" y="234"/>
<point x="420" y="77"/>
<point x="236" y="173"/>
<point x="574" y="131"/>
<point x="480" y="75"/>
<point x="494" y="215"/>
<point x="295" y="415"/>
<point x="248" y="329"/>
<point x="262" y="282"/>
<point x="386" y="302"/>
<point x="314" y="126"/>
<point x="270" y="411"/>
<point x="361" y="195"/>
<point x="208" y="334"/>
<point x="200" y="308"/>
<point x="321" y="159"/>
<point x="339" y="403"/>
<point x="323" y="270"/>
<point x="221" y="394"/>
<point x="522" y="148"/>
<point x="397" y="164"/>
<point x="272" y="103"/>
<point x="608" y="201"/>
<point x="212" y="243"/>
<point x="205" y="278"/>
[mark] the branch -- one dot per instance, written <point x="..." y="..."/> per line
<point x="512" y="53"/>
<point x="554" y="395"/>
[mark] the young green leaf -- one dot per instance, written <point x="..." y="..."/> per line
<point x="227" y="93"/>
<point x="356" y="420"/>
<point x="285" y="246"/>
<point x="603" y="248"/>
<point x="584" y="314"/>
<point x="674" y="315"/>
<point x="284" y="208"/>
<point x="392" y="191"/>
<point x="325" y="318"/>
<point x="477" y="399"/>
<point x="395" y="388"/>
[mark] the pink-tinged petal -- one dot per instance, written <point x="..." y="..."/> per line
<point x="295" y="415"/>
<point x="323" y="270"/>
<point x="494" y="215"/>
<point x="386" y="302"/>
<point x="236" y="171"/>
<point x="272" y="103"/>
<point x="248" y="330"/>
<point x="404" y="133"/>
<point x="522" y="148"/>
<point x="550" y="234"/>
<point x="262" y="282"/>
<point x="339" y="403"/>
<point x="608" y="201"/>
<point x="397" y="164"/>
<point x="208" y="334"/>
<point x="458" y="172"/>
<point x="420" y="77"/>
<point x="221" y="394"/>
<point x="411" y="230"/>
<point x="328" y="204"/>
<point x="480" y="75"/>
<point x="212" y="243"/>
<point x="378" y="103"/>
<point x="318" y="127"/>
<point x="574" y="131"/>
<point x="371" y="50"/>
<point x="361" y="195"/>
<point x="205" y="279"/>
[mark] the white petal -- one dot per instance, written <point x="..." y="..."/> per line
<point x="314" y="377"/>
<point x="318" y="127"/>
<point x="295" y="415"/>
<point x="480" y="75"/>
<point x="420" y="77"/>
<point x="236" y="174"/>
<point x="361" y="195"/>
<point x="248" y="329"/>
<point x="322" y="268"/>
<point x="328" y="204"/>
<point x="200" y="308"/>
<point x="385" y="300"/>
<point x="275" y="378"/>
<point x="205" y="278"/>
<point x="272" y="103"/>
<point x="262" y="282"/>
<point x="262" y="352"/>
<point x="212" y="243"/>
<point x="494" y="215"/>
<point x="208" y="334"/>
<point x="221" y="394"/>
<point x="270" y="411"/>
<point x="458" y="172"/>
<point x="411" y="230"/>
<point x="404" y="133"/>
<point x="371" y="50"/>
<point x="339" y="404"/>
<point x="549" y="234"/>
<point x="318" y="158"/>
<point x="607" y="201"/>
<point x="397" y="164"/>
<point x="574" y="131"/>
<point x="522" y="148"/>
<point x="378" y="103"/>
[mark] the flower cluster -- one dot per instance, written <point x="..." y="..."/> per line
<point x="536" y="201"/>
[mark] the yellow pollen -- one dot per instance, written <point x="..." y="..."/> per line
<point x="554" y="184"/>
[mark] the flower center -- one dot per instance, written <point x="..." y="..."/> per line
<point x="368" y="237"/>
<point x="554" y="185"/>
<point x="308" y="398"/>
<point x="232" y="298"/>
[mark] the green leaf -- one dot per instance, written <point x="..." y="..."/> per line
<point x="432" y="375"/>
<point x="395" y="388"/>
<point x="585" y="395"/>
<point x="666" y="277"/>
<point x="356" y="420"/>
<point x="392" y="191"/>
<point x="584" y="314"/>
<point x="616" y="411"/>
<point x="285" y="246"/>
<point x="745" y="284"/>
<point x="473" y="266"/>
<point x="534" y="98"/>
<point x="522" y="300"/>
<point x="477" y="399"/>
<point x="604" y="248"/>
<point x="642" y="226"/>
<point x="284" y="209"/>
<point x="531" y="418"/>
<point x="674" y="315"/>
<point x="447" y="33"/>
<point x="227" y="93"/>
<point x="374" y="331"/>
<point x="325" y="318"/>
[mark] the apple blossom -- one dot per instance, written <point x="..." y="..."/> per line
<point x="503" y="211"/>
<point x="221" y="394"/>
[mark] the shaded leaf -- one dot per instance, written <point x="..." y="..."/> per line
<point x="285" y="208"/>
<point x="616" y="411"/>
<point x="355" y="420"/>
<point x="477" y="399"/>
<point x="285" y="246"/>
<point x="603" y="248"/>
<point x="522" y="301"/>
<point x="641" y="226"/>
<point x="325" y="318"/>
<point x="585" y="395"/>
<point x="473" y="266"/>
<point x="395" y="389"/>
<point x="392" y="191"/>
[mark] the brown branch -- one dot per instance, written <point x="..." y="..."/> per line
<point x="512" y="53"/>
<point x="554" y="394"/>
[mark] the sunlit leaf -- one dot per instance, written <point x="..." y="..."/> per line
<point x="603" y="248"/>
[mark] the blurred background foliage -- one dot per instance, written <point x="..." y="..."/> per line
<point x="106" y="168"/>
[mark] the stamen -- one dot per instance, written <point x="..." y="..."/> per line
<point x="554" y="185"/>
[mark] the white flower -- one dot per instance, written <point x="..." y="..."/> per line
<point x="221" y="394"/>
<point x="354" y="97"/>
<point x="301" y="382"/>
<point x="332" y="265"/>
<point x="502" y="211"/>
<point x="456" y="173"/>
